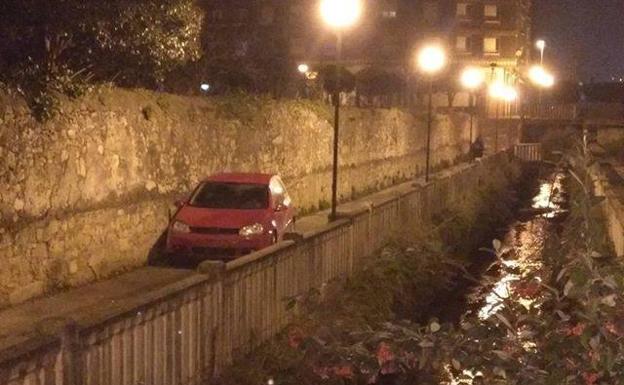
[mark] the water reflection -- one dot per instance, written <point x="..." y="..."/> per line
<point x="516" y="276"/>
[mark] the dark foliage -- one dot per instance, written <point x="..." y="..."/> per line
<point x="54" y="46"/>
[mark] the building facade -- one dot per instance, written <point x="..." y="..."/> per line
<point x="276" y="35"/>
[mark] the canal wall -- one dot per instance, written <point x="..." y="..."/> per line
<point x="610" y="186"/>
<point x="86" y="195"/>
<point x="188" y="331"/>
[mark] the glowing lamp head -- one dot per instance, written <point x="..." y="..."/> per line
<point x="540" y="44"/>
<point x="205" y="87"/>
<point x="472" y="78"/>
<point x="431" y="59"/>
<point x="497" y="90"/>
<point x="303" y="68"/>
<point x="341" y="13"/>
<point x="510" y="94"/>
<point x="540" y="77"/>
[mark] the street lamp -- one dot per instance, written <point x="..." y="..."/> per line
<point x="543" y="79"/>
<point x="339" y="15"/>
<point x="500" y="91"/>
<point x="303" y="68"/>
<point x="541" y="45"/>
<point x="472" y="78"/>
<point x="431" y="60"/>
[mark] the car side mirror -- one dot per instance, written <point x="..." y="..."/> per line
<point x="179" y="203"/>
<point x="280" y="207"/>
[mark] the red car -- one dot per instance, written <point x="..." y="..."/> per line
<point x="229" y="215"/>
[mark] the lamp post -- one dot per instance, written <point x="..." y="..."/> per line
<point x="304" y="69"/>
<point x="542" y="79"/>
<point x="541" y="45"/>
<point x="471" y="79"/>
<point x="431" y="60"/>
<point x="339" y="15"/>
<point x="500" y="91"/>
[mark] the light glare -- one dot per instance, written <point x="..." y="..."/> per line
<point x="541" y="77"/>
<point x="431" y="59"/>
<point x="303" y="68"/>
<point x="472" y="78"/>
<point x="540" y="44"/>
<point x="341" y="13"/>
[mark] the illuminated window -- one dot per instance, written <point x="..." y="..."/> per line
<point x="490" y="10"/>
<point x="490" y="45"/>
<point x="388" y="14"/>
<point x="462" y="9"/>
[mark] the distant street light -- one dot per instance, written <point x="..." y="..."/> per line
<point x="472" y="79"/>
<point x="339" y="15"/>
<point x="543" y="79"/>
<point x="205" y="87"/>
<point x="541" y="45"/>
<point x="303" y="68"/>
<point x="540" y="77"/>
<point x="431" y="60"/>
<point x="500" y="91"/>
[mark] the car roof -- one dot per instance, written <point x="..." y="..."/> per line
<point x="241" y="177"/>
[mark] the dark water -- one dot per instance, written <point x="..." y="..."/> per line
<point x="495" y="282"/>
<point x="542" y="206"/>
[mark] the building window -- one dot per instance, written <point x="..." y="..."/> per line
<point x="490" y="45"/>
<point x="461" y="43"/>
<point x="388" y="14"/>
<point x="462" y="9"/>
<point x="490" y="10"/>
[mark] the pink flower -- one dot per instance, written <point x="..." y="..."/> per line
<point x="295" y="337"/>
<point x="384" y="354"/>
<point x="576" y="330"/>
<point x="343" y="371"/>
<point x="590" y="378"/>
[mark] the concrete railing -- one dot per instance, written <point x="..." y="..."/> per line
<point x="185" y="333"/>
<point x="528" y="152"/>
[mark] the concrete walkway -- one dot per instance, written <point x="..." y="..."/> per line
<point x="46" y="317"/>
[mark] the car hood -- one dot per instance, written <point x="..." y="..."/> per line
<point x="228" y="218"/>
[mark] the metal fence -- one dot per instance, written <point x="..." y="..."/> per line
<point x="185" y="334"/>
<point x="528" y="152"/>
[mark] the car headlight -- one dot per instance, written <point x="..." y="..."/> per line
<point x="251" y="230"/>
<point x="180" y="227"/>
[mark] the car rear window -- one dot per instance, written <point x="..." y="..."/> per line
<point x="242" y="196"/>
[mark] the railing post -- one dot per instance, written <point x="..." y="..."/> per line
<point x="71" y="355"/>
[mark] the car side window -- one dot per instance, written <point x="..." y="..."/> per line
<point x="279" y="193"/>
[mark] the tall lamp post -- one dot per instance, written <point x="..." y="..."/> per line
<point x="542" y="79"/>
<point x="500" y="91"/>
<point x="339" y="15"/>
<point x="541" y="45"/>
<point x="472" y="79"/>
<point x="431" y="60"/>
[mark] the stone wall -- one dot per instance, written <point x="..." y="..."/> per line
<point x="87" y="194"/>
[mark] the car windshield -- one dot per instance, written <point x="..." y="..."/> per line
<point x="216" y="195"/>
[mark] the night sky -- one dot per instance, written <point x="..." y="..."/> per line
<point x="586" y="35"/>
